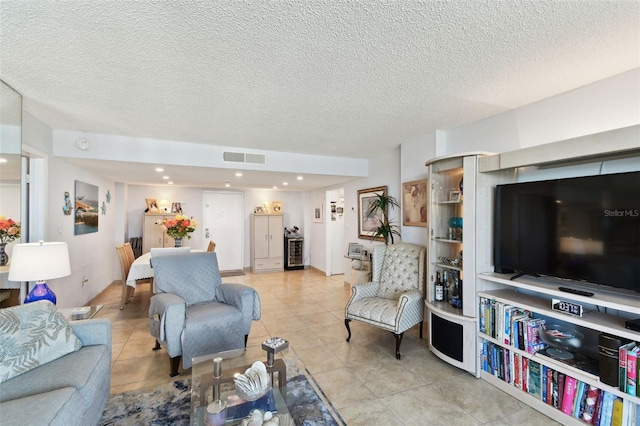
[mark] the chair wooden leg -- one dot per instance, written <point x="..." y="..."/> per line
<point x="421" y="327"/>
<point x="157" y="346"/>
<point x="175" y="362"/>
<point x="398" y="341"/>
<point x="123" y="297"/>
<point x="346" y="324"/>
<point x="246" y="339"/>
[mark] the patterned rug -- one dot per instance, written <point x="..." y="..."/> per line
<point x="169" y="404"/>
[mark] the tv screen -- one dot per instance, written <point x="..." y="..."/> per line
<point x="584" y="229"/>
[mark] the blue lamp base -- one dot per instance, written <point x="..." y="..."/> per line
<point x="41" y="292"/>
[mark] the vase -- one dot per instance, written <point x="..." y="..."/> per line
<point x="178" y="242"/>
<point x="4" y="257"/>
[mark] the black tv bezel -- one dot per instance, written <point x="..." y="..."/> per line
<point x="575" y="283"/>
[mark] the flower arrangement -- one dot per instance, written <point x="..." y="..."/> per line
<point x="180" y="227"/>
<point x="9" y="230"/>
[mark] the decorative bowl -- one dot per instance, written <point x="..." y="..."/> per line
<point x="254" y="383"/>
<point x="562" y="338"/>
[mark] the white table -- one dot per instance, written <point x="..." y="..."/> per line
<point x="140" y="269"/>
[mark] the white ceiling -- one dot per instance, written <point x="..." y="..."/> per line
<point x="333" y="78"/>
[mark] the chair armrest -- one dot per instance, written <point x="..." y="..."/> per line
<point x="363" y="291"/>
<point x="243" y="297"/>
<point x="96" y="331"/>
<point x="411" y="296"/>
<point x="167" y="313"/>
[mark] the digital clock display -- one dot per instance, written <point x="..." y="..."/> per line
<point x="569" y="308"/>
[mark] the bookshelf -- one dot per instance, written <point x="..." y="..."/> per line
<point x="534" y="295"/>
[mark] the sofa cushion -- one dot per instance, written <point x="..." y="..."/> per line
<point x="58" y="407"/>
<point x="32" y="335"/>
<point x="194" y="276"/>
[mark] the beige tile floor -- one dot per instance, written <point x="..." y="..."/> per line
<point x="362" y="378"/>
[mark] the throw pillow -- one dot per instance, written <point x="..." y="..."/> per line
<point x="32" y="335"/>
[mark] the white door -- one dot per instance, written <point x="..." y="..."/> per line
<point x="224" y="224"/>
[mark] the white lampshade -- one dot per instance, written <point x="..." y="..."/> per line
<point x="39" y="261"/>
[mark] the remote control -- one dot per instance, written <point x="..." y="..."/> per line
<point x="575" y="291"/>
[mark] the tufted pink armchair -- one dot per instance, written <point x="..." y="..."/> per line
<point x="394" y="300"/>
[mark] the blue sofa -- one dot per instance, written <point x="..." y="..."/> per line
<point x="71" y="390"/>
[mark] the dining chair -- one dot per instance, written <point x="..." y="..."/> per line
<point x="212" y="246"/>
<point x="125" y="254"/>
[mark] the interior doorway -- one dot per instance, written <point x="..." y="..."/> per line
<point x="223" y="223"/>
<point x="335" y="243"/>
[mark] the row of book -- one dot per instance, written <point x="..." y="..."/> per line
<point x="511" y="325"/>
<point x="573" y="397"/>
<point x="629" y="368"/>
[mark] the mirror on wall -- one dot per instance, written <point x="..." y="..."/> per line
<point x="10" y="177"/>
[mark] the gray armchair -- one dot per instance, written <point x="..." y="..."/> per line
<point x="193" y="313"/>
<point x="394" y="300"/>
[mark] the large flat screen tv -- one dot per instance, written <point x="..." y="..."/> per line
<point x="583" y="229"/>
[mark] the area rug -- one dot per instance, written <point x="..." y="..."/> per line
<point x="169" y="404"/>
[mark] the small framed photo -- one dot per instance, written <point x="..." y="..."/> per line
<point x="152" y="204"/>
<point x="276" y="207"/>
<point x="258" y="210"/>
<point x="355" y="251"/>
<point x="455" y="196"/>
<point x="176" y="207"/>
<point x="317" y="213"/>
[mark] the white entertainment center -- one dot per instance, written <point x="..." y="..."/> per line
<point x="605" y="311"/>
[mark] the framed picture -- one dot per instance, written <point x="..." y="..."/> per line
<point x="152" y="204"/>
<point x="86" y="217"/>
<point x="258" y="210"/>
<point x="317" y="213"/>
<point x="276" y="207"/>
<point x="455" y="196"/>
<point x="176" y="208"/>
<point x="367" y="221"/>
<point x="355" y="251"/>
<point x="414" y="203"/>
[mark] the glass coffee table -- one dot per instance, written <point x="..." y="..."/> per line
<point x="213" y="395"/>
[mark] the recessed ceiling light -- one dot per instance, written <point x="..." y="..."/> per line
<point x="285" y="183"/>
<point x="170" y="183"/>
<point x="159" y="169"/>
<point x="275" y="187"/>
<point x="227" y="185"/>
<point x="299" y="178"/>
<point x="165" y="177"/>
<point x="238" y="174"/>
<point x="3" y="160"/>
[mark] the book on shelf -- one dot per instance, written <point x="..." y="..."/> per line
<point x="579" y="398"/>
<point x="561" y="381"/>
<point x="616" y="415"/>
<point x="579" y="363"/>
<point x="590" y="405"/>
<point x="535" y="379"/>
<point x="622" y="365"/>
<point x="570" y="385"/>
<point x="534" y="328"/>
<point x="632" y="370"/>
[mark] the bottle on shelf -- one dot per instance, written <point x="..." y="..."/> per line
<point x="439" y="296"/>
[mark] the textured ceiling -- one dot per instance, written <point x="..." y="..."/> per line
<point x="334" y="77"/>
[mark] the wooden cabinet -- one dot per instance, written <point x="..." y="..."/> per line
<point x="267" y="243"/>
<point x="152" y="235"/>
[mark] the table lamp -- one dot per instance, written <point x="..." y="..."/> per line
<point x="39" y="262"/>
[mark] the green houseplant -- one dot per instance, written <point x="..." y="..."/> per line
<point x="386" y="229"/>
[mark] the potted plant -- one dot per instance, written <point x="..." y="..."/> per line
<point x="386" y="229"/>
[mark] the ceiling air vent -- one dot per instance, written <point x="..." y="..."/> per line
<point x="255" y="158"/>
<point x="240" y="157"/>
<point x="233" y="157"/>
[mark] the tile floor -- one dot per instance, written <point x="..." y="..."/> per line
<point x="362" y="378"/>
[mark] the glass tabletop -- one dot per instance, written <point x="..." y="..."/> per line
<point x="213" y="397"/>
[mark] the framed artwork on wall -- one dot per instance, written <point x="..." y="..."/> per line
<point x="86" y="217"/>
<point x="367" y="220"/>
<point x="276" y="207"/>
<point x="152" y="205"/>
<point x="317" y="213"/>
<point x="414" y="203"/>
